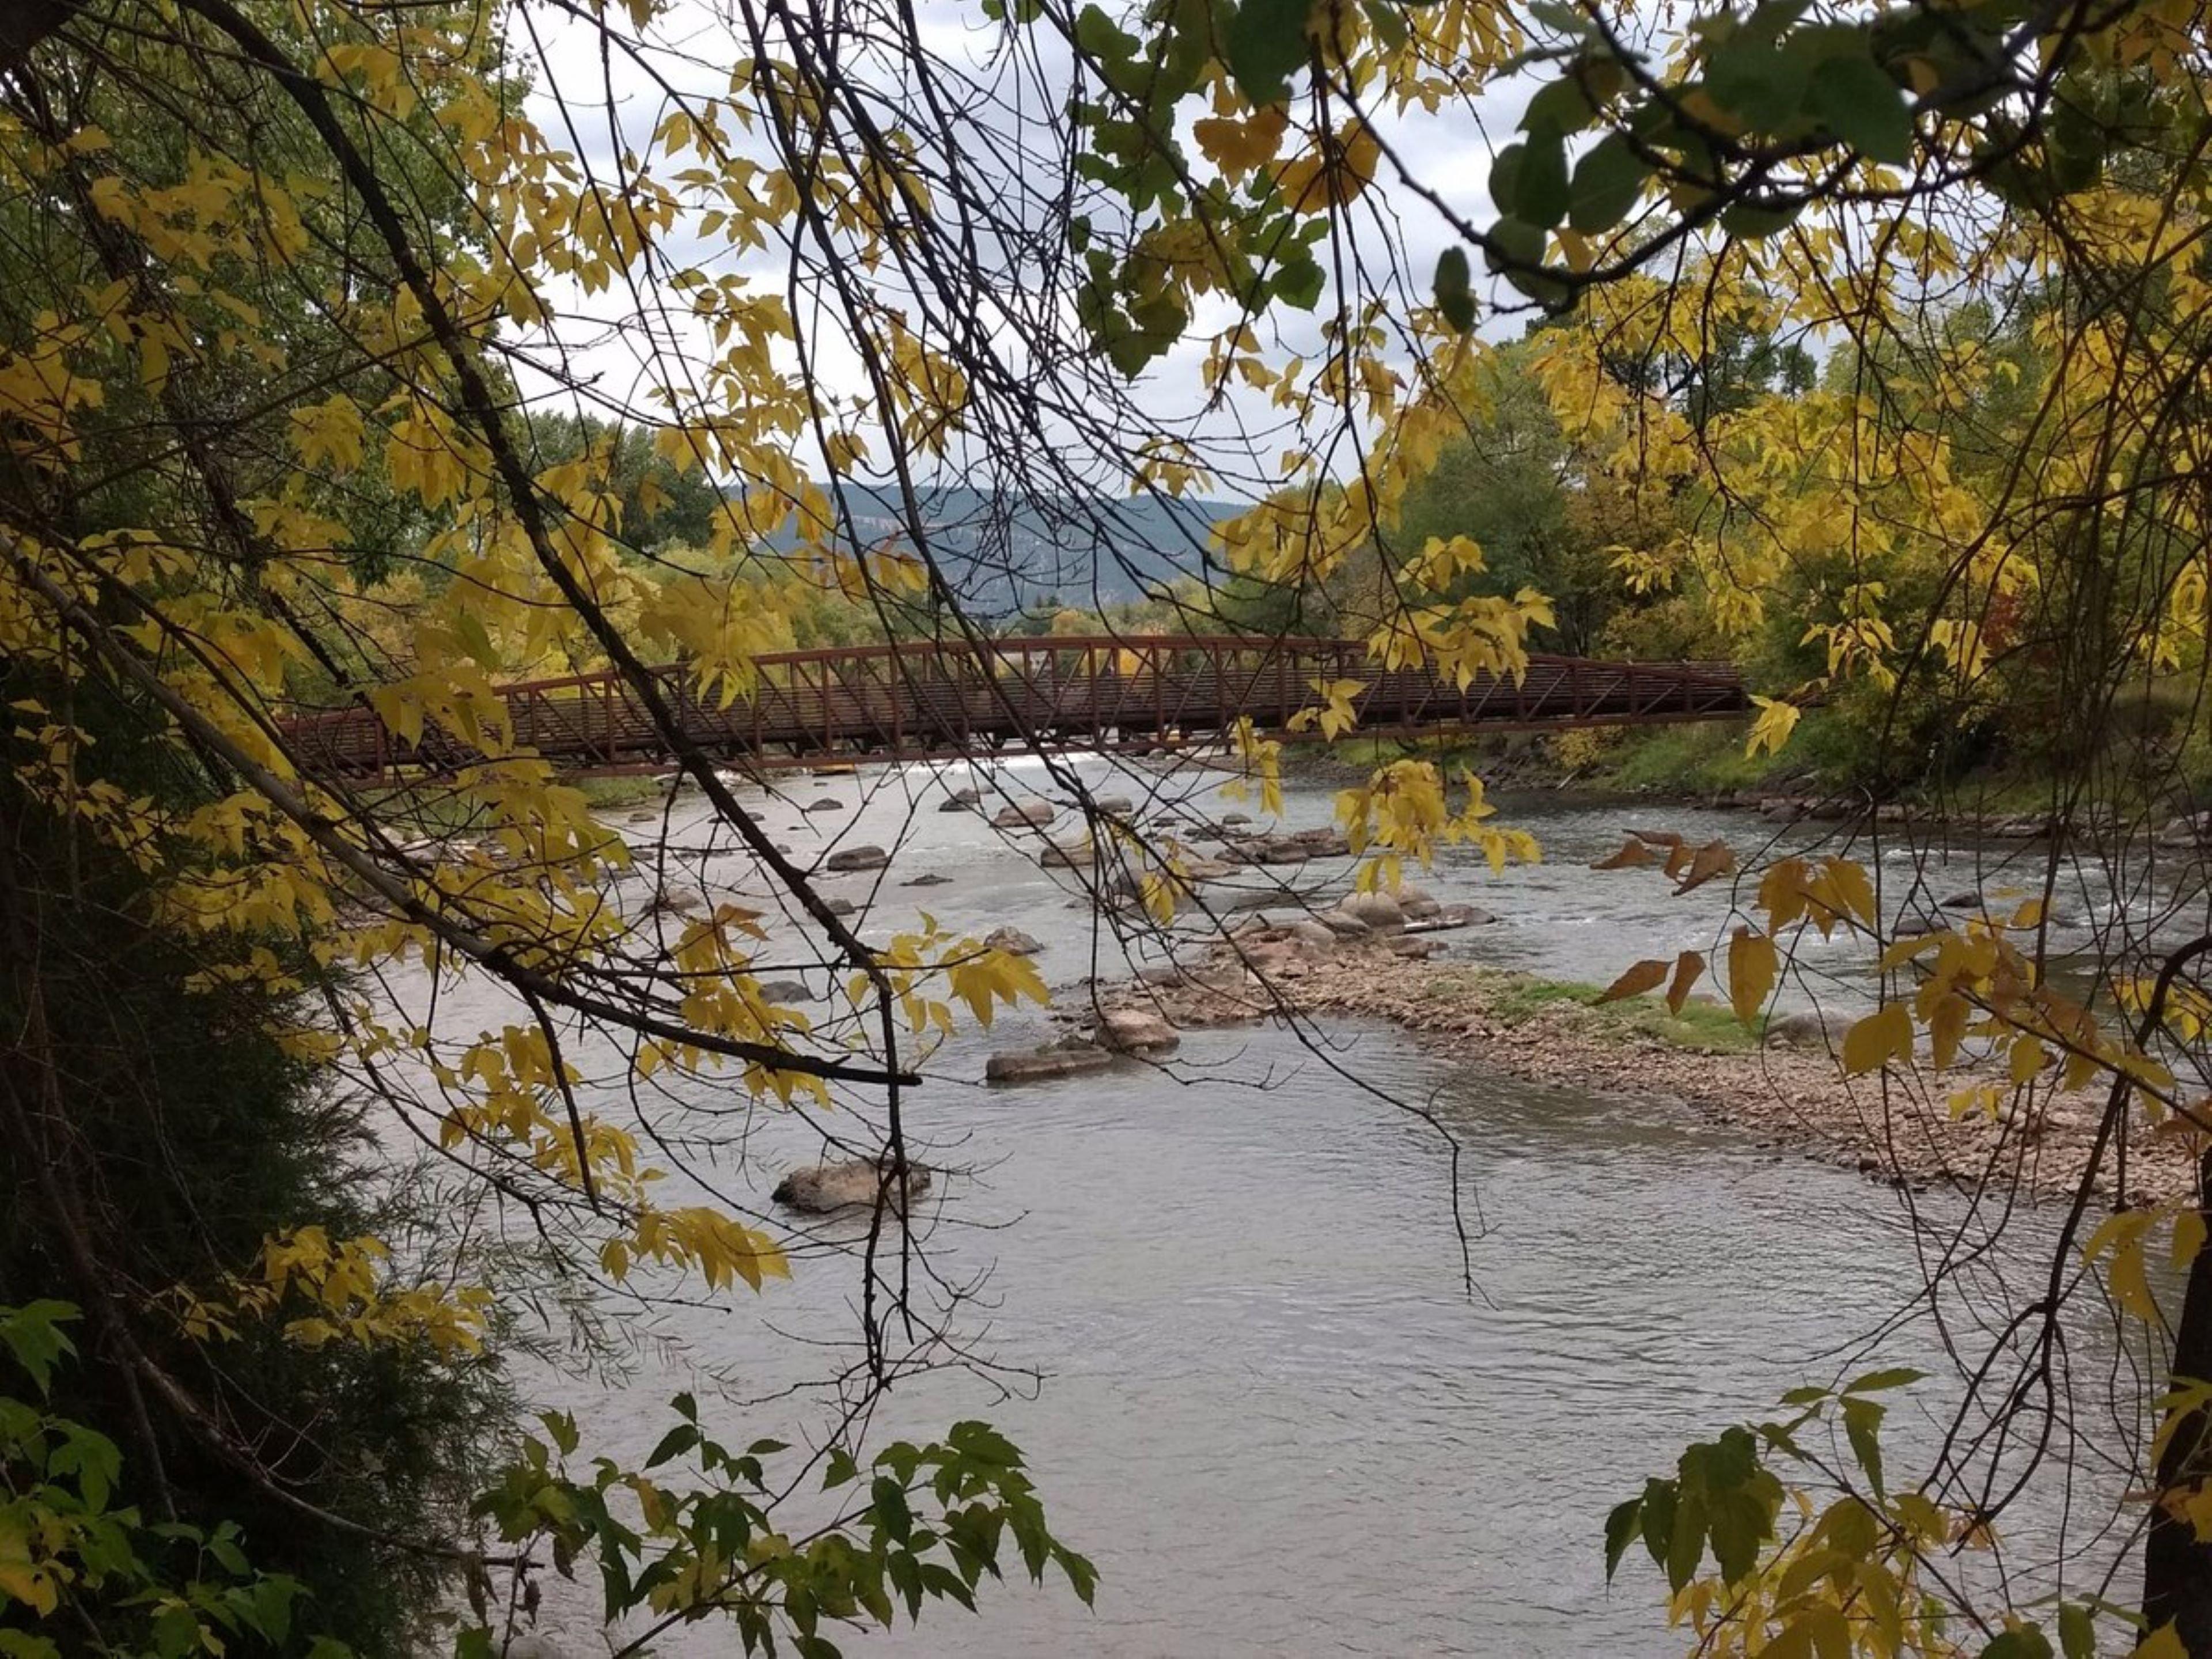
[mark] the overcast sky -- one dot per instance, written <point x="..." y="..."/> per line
<point x="624" y="347"/>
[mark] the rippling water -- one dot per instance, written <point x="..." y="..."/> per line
<point x="1272" y="1408"/>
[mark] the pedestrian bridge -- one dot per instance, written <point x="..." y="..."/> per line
<point x="948" y="699"/>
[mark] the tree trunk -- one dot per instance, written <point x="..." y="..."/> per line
<point x="2176" y="1567"/>
<point x="24" y="23"/>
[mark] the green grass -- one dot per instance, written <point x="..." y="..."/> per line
<point x="640" y="790"/>
<point x="1702" y="1027"/>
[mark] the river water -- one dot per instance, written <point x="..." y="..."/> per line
<point x="1240" y="1345"/>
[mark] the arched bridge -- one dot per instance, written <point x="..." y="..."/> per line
<point x="925" y="700"/>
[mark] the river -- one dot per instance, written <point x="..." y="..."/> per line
<point x="1266" y="1400"/>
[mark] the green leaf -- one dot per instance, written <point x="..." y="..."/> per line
<point x="1082" y="1576"/>
<point x="1659" y="1498"/>
<point x="1267" y="41"/>
<point x="1563" y="105"/>
<point x="1453" y="299"/>
<point x="1505" y="176"/>
<point x="839" y="1469"/>
<point x="1299" y="281"/>
<point x="2077" y="1631"/>
<point x="1607" y="181"/>
<point x="1751" y="220"/>
<point x="562" y="1427"/>
<point x="1739" y="1526"/>
<point x="1863" y="1426"/>
<point x="1516" y="242"/>
<point x="1621" y="1527"/>
<point x="1686" y="1547"/>
<point x="1893" y="1376"/>
<point x="34" y="1334"/>
<point x="1541" y="186"/>
<point x="678" y="1441"/>
<point x="1100" y="37"/>
<point x="2026" y="1643"/>
<point x="887" y="1503"/>
<point x="1863" y="107"/>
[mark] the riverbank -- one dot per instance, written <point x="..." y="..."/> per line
<point x="1895" y="1129"/>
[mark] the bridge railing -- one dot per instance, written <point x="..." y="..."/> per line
<point x="912" y="699"/>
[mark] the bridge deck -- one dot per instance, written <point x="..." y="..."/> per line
<point x="929" y="699"/>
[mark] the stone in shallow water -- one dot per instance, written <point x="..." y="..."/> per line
<point x="827" y="804"/>
<point x="853" y="1184"/>
<point x="1134" y="1031"/>
<point x="1069" y="1057"/>
<point x="1024" y="814"/>
<point x="847" y="858"/>
<point x="1012" y="941"/>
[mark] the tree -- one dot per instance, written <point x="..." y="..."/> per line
<point x="1700" y="207"/>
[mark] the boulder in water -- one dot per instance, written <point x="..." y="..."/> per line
<point x="839" y="906"/>
<point x="961" y="800"/>
<point x="846" y="859"/>
<point x="1134" y="1031"/>
<point x="1376" y="912"/>
<point x="929" y="878"/>
<point x="1012" y="941"/>
<point x="1024" y="815"/>
<point x="850" y="1185"/>
<point x="827" y="804"/>
<point x="784" y="991"/>
<point x="1069" y="1057"/>
<point x="1811" y="1029"/>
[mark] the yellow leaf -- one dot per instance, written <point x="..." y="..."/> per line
<point x="1903" y="950"/>
<point x="1776" y="721"/>
<point x="1713" y="858"/>
<point x="1752" y="967"/>
<point x="2188" y="1237"/>
<point x="1947" y="1026"/>
<point x="1850" y="883"/>
<point x="1632" y="855"/>
<point x="1687" y="967"/>
<point x="1635" y="981"/>
<point x="2160" y="1643"/>
<point x="1883" y="1034"/>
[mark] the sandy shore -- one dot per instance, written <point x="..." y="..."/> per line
<point x="1896" y="1127"/>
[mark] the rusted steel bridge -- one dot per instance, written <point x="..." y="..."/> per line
<point x="929" y="699"/>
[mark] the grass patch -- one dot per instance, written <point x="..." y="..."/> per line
<point x="1702" y="1027"/>
<point x="639" y="790"/>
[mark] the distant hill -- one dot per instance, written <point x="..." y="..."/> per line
<point x="1006" y="554"/>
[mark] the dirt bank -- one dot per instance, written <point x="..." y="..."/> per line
<point x="1898" y="1128"/>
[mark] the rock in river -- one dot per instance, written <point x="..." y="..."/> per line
<point x="847" y="858"/>
<point x="856" y="1184"/>
<point x="827" y="804"/>
<point x="1024" y="814"/>
<point x="1012" y="941"/>
<point x="1134" y="1031"/>
<point x="960" y="801"/>
<point x="1069" y="1057"/>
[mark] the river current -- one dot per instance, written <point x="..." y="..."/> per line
<point x="1255" y="1380"/>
